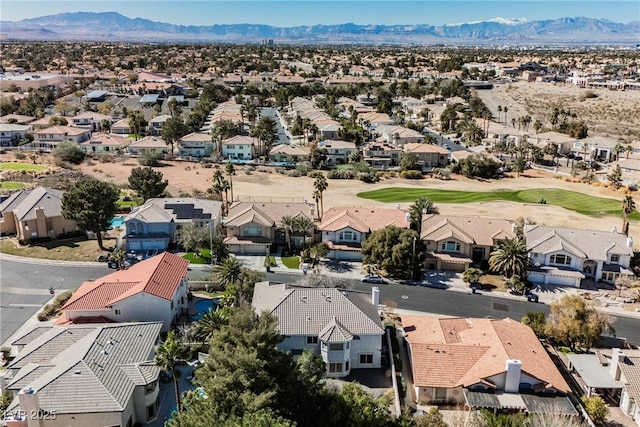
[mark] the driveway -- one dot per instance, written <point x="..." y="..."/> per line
<point x="443" y="280"/>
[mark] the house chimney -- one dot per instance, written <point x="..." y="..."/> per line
<point x="617" y="357"/>
<point x="28" y="399"/>
<point x="630" y="242"/>
<point x="514" y="228"/>
<point x="512" y="382"/>
<point x="407" y="216"/>
<point x="375" y="296"/>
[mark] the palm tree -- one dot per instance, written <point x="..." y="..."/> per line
<point x="166" y="358"/>
<point x="319" y="250"/>
<point x="320" y="185"/>
<point x="628" y="207"/>
<point x="316" y="197"/>
<point x="422" y="206"/>
<point x="510" y="258"/>
<point x="209" y="323"/>
<point x="617" y="149"/>
<point x="499" y="111"/>
<point x="288" y="224"/>
<point x="227" y="272"/>
<point x="303" y="225"/>
<point x="505" y="109"/>
<point x="118" y="257"/>
<point x="628" y="150"/>
<point x="231" y="170"/>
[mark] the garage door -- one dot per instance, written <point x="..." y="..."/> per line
<point x="562" y="281"/>
<point x="536" y="277"/>
<point x="345" y="255"/>
<point x="452" y="266"/>
<point x="253" y="249"/>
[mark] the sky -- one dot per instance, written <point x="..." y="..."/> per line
<point x="296" y="12"/>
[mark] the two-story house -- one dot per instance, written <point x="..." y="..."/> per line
<point x="90" y="120"/>
<point x="344" y="229"/>
<point x="398" y="135"/>
<point x="49" y="138"/>
<point x="195" y="145"/>
<point x="338" y="151"/>
<point x="253" y="227"/>
<point x="596" y="147"/>
<point x="121" y="127"/>
<point x="429" y="156"/>
<point x="154" y="224"/>
<point x="85" y="375"/>
<point x="382" y="156"/>
<point x="239" y="148"/>
<point x="565" y="256"/>
<point x="343" y="326"/>
<point x="156" y="124"/>
<point x="11" y="134"/>
<point x="496" y="364"/>
<point x="153" y="290"/>
<point x="35" y="214"/>
<point x="455" y="242"/>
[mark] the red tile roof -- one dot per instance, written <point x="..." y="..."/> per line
<point x="159" y="276"/>
<point x="455" y="352"/>
<point x="364" y="220"/>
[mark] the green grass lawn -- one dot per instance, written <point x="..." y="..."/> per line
<point x="22" y="167"/>
<point x="204" y="258"/>
<point x="9" y="185"/>
<point x="577" y="202"/>
<point x="291" y="262"/>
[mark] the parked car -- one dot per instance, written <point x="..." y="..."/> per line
<point x="372" y="278"/>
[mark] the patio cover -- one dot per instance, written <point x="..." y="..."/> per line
<point x="531" y="403"/>
<point x="592" y="372"/>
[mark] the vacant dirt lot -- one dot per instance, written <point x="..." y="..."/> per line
<point x="611" y="113"/>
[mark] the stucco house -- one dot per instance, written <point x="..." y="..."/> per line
<point x="121" y="127"/>
<point x="344" y="229"/>
<point x="483" y="364"/>
<point x="153" y="290"/>
<point x="105" y="143"/>
<point x="455" y="242"/>
<point x="429" y="156"/>
<point x="156" y="124"/>
<point x="151" y="144"/>
<point x="90" y="120"/>
<point x="338" y="151"/>
<point x="239" y="148"/>
<point x="154" y="224"/>
<point x="88" y="375"/>
<point x="565" y="256"/>
<point x="49" y="138"/>
<point x="382" y="156"/>
<point x="11" y="134"/>
<point x="35" y="213"/>
<point x="289" y="153"/>
<point x="251" y="228"/>
<point x="341" y="325"/>
<point x="195" y="145"/>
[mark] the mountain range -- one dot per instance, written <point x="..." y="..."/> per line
<point x="112" y="26"/>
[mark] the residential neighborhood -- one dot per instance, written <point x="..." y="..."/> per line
<point x="272" y="234"/>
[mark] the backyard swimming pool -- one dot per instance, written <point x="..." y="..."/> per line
<point x="203" y="307"/>
<point x="117" y="221"/>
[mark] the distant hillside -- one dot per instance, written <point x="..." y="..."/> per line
<point x="114" y="26"/>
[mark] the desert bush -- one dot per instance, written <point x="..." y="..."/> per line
<point x="294" y="173"/>
<point x="68" y="152"/>
<point x="303" y="168"/>
<point x="369" y="177"/>
<point x="339" y="174"/>
<point x="149" y="158"/>
<point x="411" y="174"/>
<point x="20" y="156"/>
<point x="52" y="310"/>
<point x="392" y="174"/>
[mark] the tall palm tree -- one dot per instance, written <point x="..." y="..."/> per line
<point x="231" y="170"/>
<point x="422" y="206"/>
<point x="227" y="272"/>
<point x="316" y="197"/>
<point x="320" y="185"/>
<point x="510" y="258"/>
<point x="628" y="207"/>
<point x="166" y="358"/>
<point x="304" y="224"/>
<point x="505" y="109"/>
<point x="499" y="112"/>
<point x="288" y="223"/>
<point x="628" y="150"/>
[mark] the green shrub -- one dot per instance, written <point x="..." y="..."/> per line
<point x="411" y="174"/>
<point x="20" y="156"/>
<point x="68" y="152"/>
<point x="338" y="174"/>
<point x="149" y="158"/>
<point x="369" y="177"/>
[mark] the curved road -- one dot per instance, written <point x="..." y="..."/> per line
<point x="24" y="288"/>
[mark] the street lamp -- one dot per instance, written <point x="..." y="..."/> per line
<point x="211" y="243"/>
<point x="413" y="258"/>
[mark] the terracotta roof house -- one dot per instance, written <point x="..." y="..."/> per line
<point x="429" y="156"/>
<point x="149" y="143"/>
<point x="153" y="290"/>
<point x="195" y="145"/>
<point x="338" y="151"/>
<point x="156" y="124"/>
<point x="614" y="372"/>
<point x="565" y="256"/>
<point x="398" y="135"/>
<point x="289" y="153"/>
<point x="382" y="156"/>
<point x="49" y="138"/>
<point x="121" y="127"/>
<point x="598" y="147"/>
<point x="483" y="363"/>
<point x="253" y="227"/>
<point x="564" y="142"/>
<point x="35" y="213"/>
<point x="87" y="376"/>
<point x="455" y="242"/>
<point x="90" y="120"/>
<point x="343" y="326"/>
<point x="105" y="143"/>
<point x="153" y="225"/>
<point x="344" y="229"/>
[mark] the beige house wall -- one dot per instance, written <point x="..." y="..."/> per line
<point x="43" y="227"/>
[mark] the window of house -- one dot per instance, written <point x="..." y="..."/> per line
<point x="348" y="236"/>
<point x="346" y="366"/>
<point x="451" y="246"/>
<point x="252" y="231"/>
<point x="366" y="359"/>
<point x="118" y="312"/>
<point x="615" y="259"/>
<point x="151" y="412"/>
<point x="312" y="340"/>
<point x="560" y="259"/>
<point x="335" y="367"/>
<point x="441" y="393"/>
<point x="335" y="346"/>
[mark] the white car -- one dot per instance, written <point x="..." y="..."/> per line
<point x="372" y="278"/>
